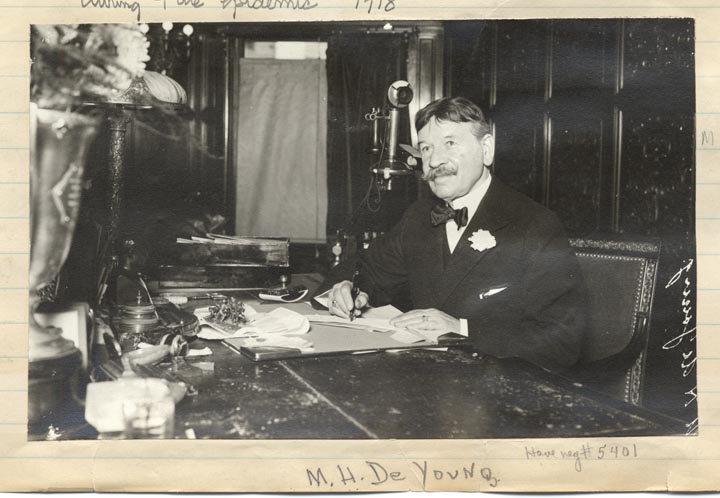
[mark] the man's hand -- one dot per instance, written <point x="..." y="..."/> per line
<point x="428" y="319"/>
<point x="340" y="300"/>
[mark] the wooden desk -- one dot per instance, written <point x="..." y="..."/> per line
<point x="416" y="394"/>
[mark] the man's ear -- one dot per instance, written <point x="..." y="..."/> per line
<point x="488" y="147"/>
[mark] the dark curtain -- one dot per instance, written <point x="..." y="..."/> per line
<point x="360" y="69"/>
<point x="281" y="141"/>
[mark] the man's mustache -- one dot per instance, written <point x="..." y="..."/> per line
<point x="438" y="172"/>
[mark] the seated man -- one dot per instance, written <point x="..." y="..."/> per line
<point x="480" y="259"/>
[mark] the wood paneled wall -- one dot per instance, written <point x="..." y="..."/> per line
<point x="595" y="119"/>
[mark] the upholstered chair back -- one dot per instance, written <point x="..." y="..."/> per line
<point x="620" y="277"/>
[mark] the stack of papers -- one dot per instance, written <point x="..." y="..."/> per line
<point x="280" y="321"/>
<point x="273" y="333"/>
<point x="378" y="320"/>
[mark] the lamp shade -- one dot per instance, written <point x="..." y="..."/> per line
<point x="164" y="88"/>
<point x="150" y="89"/>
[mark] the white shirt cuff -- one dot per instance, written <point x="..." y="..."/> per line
<point x="463" y="327"/>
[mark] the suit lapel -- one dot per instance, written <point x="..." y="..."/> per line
<point x="489" y="216"/>
<point x="432" y="261"/>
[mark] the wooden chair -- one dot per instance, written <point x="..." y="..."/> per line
<point x="620" y="277"/>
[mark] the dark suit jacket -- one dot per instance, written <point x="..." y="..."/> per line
<point x="541" y="314"/>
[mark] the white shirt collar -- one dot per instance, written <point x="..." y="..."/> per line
<point x="472" y="199"/>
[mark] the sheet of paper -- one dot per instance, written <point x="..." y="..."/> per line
<point x="278" y="321"/>
<point x="200" y="352"/>
<point x="430" y="335"/>
<point x="407" y="336"/>
<point x="279" y="341"/>
<point x="323" y="298"/>
<point x="379" y="324"/>
<point x="387" y="312"/>
<point x="209" y="333"/>
<point x="378" y="319"/>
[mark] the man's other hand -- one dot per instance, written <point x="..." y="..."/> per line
<point x="427" y="319"/>
<point x="340" y="300"/>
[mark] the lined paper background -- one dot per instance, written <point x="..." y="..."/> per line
<point x="663" y="463"/>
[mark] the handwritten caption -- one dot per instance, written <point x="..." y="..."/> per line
<point x="135" y="6"/>
<point x="341" y="477"/>
<point x="685" y="337"/>
<point x="382" y="5"/>
<point x="585" y="452"/>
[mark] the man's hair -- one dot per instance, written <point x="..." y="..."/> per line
<point x="457" y="110"/>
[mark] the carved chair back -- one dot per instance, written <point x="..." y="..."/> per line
<point x="620" y="276"/>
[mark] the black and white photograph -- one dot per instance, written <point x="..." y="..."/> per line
<point x="421" y="230"/>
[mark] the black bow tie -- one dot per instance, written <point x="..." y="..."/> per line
<point x="443" y="212"/>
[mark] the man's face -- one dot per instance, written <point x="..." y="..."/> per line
<point x="453" y="158"/>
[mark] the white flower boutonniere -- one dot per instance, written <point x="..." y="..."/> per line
<point x="482" y="240"/>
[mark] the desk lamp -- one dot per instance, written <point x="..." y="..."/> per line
<point x="152" y="90"/>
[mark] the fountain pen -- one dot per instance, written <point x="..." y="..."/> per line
<point x="354" y="293"/>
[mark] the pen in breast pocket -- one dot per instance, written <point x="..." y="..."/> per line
<point x="492" y="292"/>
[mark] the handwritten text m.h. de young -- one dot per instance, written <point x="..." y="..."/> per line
<point x="377" y="474"/>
